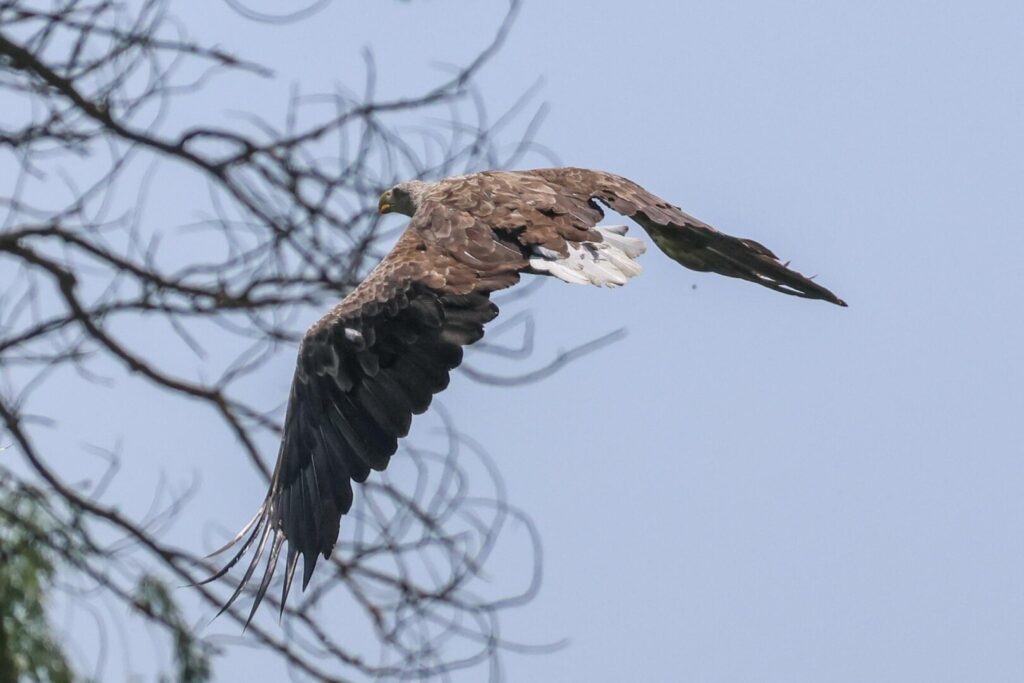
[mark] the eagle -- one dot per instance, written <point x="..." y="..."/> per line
<point x="380" y="355"/>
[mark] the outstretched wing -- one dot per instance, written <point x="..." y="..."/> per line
<point x="363" y="371"/>
<point x="682" y="237"/>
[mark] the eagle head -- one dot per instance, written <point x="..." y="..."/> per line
<point x="403" y="198"/>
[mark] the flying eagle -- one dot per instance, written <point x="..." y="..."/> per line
<point x="378" y="357"/>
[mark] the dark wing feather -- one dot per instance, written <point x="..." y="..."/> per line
<point x="682" y="237"/>
<point x="363" y="371"/>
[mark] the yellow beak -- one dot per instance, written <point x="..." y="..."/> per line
<point x="384" y="206"/>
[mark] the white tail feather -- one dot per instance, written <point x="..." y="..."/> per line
<point x="608" y="263"/>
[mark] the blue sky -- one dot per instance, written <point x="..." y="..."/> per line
<point x="752" y="486"/>
<point x="749" y="486"/>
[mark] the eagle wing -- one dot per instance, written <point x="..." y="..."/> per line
<point x="566" y="198"/>
<point x="363" y="371"/>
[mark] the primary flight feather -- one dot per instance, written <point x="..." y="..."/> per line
<point x="378" y="357"/>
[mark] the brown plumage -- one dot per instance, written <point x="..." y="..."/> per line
<point x="380" y="355"/>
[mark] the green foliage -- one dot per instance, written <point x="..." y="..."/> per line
<point x="191" y="655"/>
<point x="34" y="544"/>
<point x="28" y="651"/>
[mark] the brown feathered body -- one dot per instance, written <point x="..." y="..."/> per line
<point x="378" y="357"/>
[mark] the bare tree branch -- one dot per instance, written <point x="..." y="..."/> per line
<point x="93" y="93"/>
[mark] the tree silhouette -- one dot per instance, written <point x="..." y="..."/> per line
<point x="97" y="99"/>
